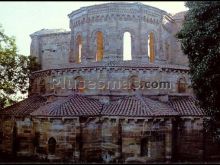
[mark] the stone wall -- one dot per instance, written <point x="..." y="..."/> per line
<point x="51" y="48"/>
<point x="190" y="143"/>
<point x="109" y="139"/>
<point x="17" y="136"/>
<point x="24" y="137"/>
<point x="63" y="131"/>
<point x="7" y="127"/>
<point x="114" y="80"/>
<point x="56" y="47"/>
<point x="113" y="20"/>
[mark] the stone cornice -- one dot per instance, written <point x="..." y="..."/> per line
<point x="116" y="7"/>
<point x="116" y="11"/>
<point x="110" y="67"/>
<point x="105" y="17"/>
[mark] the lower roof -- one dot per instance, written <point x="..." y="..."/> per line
<point x="129" y="106"/>
<point x="186" y="106"/>
<point x="73" y="105"/>
<point x="24" y="107"/>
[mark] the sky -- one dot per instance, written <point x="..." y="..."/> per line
<point x="20" y="19"/>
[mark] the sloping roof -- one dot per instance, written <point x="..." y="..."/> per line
<point x="186" y="106"/>
<point x="136" y="106"/>
<point x="131" y="106"/>
<point x="73" y="105"/>
<point x="24" y="107"/>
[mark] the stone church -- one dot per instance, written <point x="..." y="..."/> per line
<point x="115" y="88"/>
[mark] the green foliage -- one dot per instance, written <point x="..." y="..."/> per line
<point x="200" y="39"/>
<point x="14" y="70"/>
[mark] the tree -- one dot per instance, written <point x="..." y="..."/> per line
<point x="200" y="41"/>
<point x="15" y="70"/>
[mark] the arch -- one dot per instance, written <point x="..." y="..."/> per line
<point x="99" y="46"/>
<point x="133" y="82"/>
<point x="15" y="144"/>
<point x="93" y="42"/>
<point x="79" y="84"/>
<point x="42" y="86"/>
<point x="127" y="46"/>
<point x="151" y="47"/>
<point x="78" y="48"/>
<point x="181" y="85"/>
<point x="144" y="147"/>
<point x="51" y="146"/>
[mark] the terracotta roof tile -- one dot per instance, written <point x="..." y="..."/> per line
<point x="77" y="105"/>
<point x="136" y="106"/>
<point x="73" y="105"/>
<point x="24" y="107"/>
<point x="186" y="106"/>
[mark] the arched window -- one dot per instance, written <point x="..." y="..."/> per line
<point x="144" y="147"/>
<point x="99" y="43"/>
<point x="42" y="86"/>
<point x="133" y="83"/>
<point x="15" y="144"/>
<point x="151" y="49"/>
<point x="78" y="48"/>
<point x="181" y="85"/>
<point x="51" y="145"/>
<point x="127" y="46"/>
<point x="79" y="84"/>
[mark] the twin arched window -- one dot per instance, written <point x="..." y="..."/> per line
<point x="99" y="47"/>
<point x="127" y="47"/>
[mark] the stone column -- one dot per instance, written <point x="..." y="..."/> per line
<point x="84" y="47"/>
<point x="134" y="47"/>
<point x="144" y="48"/>
<point x="113" y="46"/>
<point x="93" y="47"/>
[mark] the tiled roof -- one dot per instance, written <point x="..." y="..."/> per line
<point x="136" y="106"/>
<point x="73" y="105"/>
<point x="24" y="107"/>
<point x="186" y="106"/>
<point x="131" y="106"/>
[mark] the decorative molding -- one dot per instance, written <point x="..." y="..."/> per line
<point x="114" y="66"/>
<point x="114" y="17"/>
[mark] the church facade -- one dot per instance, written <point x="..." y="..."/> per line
<point x="102" y="98"/>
